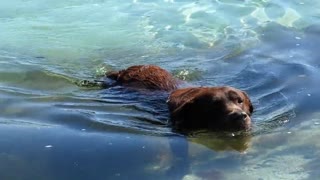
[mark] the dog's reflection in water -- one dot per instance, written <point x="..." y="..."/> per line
<point x="222" y="141"/>
<point x="181" y="156"/>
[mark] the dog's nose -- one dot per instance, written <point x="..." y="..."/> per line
<point x="243" y="114"/>
<point x="239" y="115"/>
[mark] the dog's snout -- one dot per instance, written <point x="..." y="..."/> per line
<point x="239" y="115"/>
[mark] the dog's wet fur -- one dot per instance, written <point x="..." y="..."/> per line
<point x="144" y="76"/>
<point x="215" y="108"/>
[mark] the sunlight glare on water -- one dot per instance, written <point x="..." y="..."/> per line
<point x="77" y="29"/>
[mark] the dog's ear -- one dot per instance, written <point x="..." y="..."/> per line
<point x="248" y="101"/>
<point x="180" y="98"/>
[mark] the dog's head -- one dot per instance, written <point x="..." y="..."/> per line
<point x="217" y="108"/>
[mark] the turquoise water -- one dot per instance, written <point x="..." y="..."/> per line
<point x="51" y="128"/>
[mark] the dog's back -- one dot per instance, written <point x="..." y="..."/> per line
<point x="145" y="77"/>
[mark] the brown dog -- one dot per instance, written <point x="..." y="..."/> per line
<point x="217" y="108"/>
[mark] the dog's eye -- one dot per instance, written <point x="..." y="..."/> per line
<point x="240" y="101"/>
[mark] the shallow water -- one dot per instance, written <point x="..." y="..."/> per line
<point x="51" y="128"/>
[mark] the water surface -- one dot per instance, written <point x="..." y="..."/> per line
<point x="51" y="128"/>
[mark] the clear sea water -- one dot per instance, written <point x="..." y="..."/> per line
<point x="52" y="128"/>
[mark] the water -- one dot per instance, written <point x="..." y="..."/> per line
<point x="53" y="129"/>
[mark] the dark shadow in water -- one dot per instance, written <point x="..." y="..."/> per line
<point x="179" y="147"/>
<point x="31" y="152"/>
